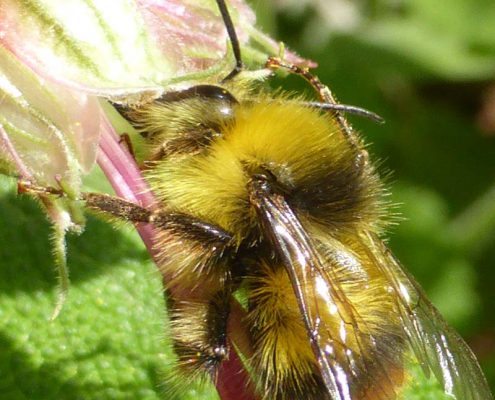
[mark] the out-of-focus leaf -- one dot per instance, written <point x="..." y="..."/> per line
<point x="455" y="294"/>
<point x="418" y="387"/>
<point x="454" y="41"/>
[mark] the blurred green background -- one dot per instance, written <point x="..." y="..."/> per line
<point x="427" y="67"/>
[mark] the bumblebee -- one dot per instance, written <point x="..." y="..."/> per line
<point x="274" y="196"/>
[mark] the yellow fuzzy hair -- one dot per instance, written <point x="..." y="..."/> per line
<point x="284" y="359"/>
<point x="277" y="134"/>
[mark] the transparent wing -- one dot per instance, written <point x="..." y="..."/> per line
<point x="358" y="353"/>
<point x="436" y="345"/>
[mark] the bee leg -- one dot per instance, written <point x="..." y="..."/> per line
<point x="193" y="229"/>
<point x="197" y="259"/>
<point x="199" y="332"/>
<point x="208" y="243"/>
<point x="323" y="91"/>
<point x="25" y="186"/>
<point x="116" y="207"/>
<point x="194" y="258"/>
<point x="206" y="248"/>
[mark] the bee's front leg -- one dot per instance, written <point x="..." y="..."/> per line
<point x="199" y="332"/>
<point x="197" y="258"/>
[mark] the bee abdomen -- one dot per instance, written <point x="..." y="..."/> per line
<point x="284" y="364"/>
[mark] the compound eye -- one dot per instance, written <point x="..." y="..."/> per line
<point x="211" y="92"/>
<point x="214" y="92"/>
<point x="218" y="102"/>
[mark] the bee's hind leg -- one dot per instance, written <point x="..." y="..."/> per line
<point x="198" y="258"/>
<point x="199" y="332"/>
